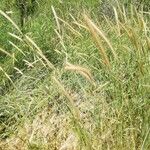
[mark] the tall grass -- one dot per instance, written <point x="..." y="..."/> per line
<point x="96" y="97"/>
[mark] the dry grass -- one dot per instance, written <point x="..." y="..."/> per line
<point x="52" y="108"/>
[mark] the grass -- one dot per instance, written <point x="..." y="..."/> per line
<point x="75" y="80"/>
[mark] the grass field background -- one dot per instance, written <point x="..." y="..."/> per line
<point x="75" y="75"/>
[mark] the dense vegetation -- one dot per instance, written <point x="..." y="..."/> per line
<point x="74" y="74"/>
